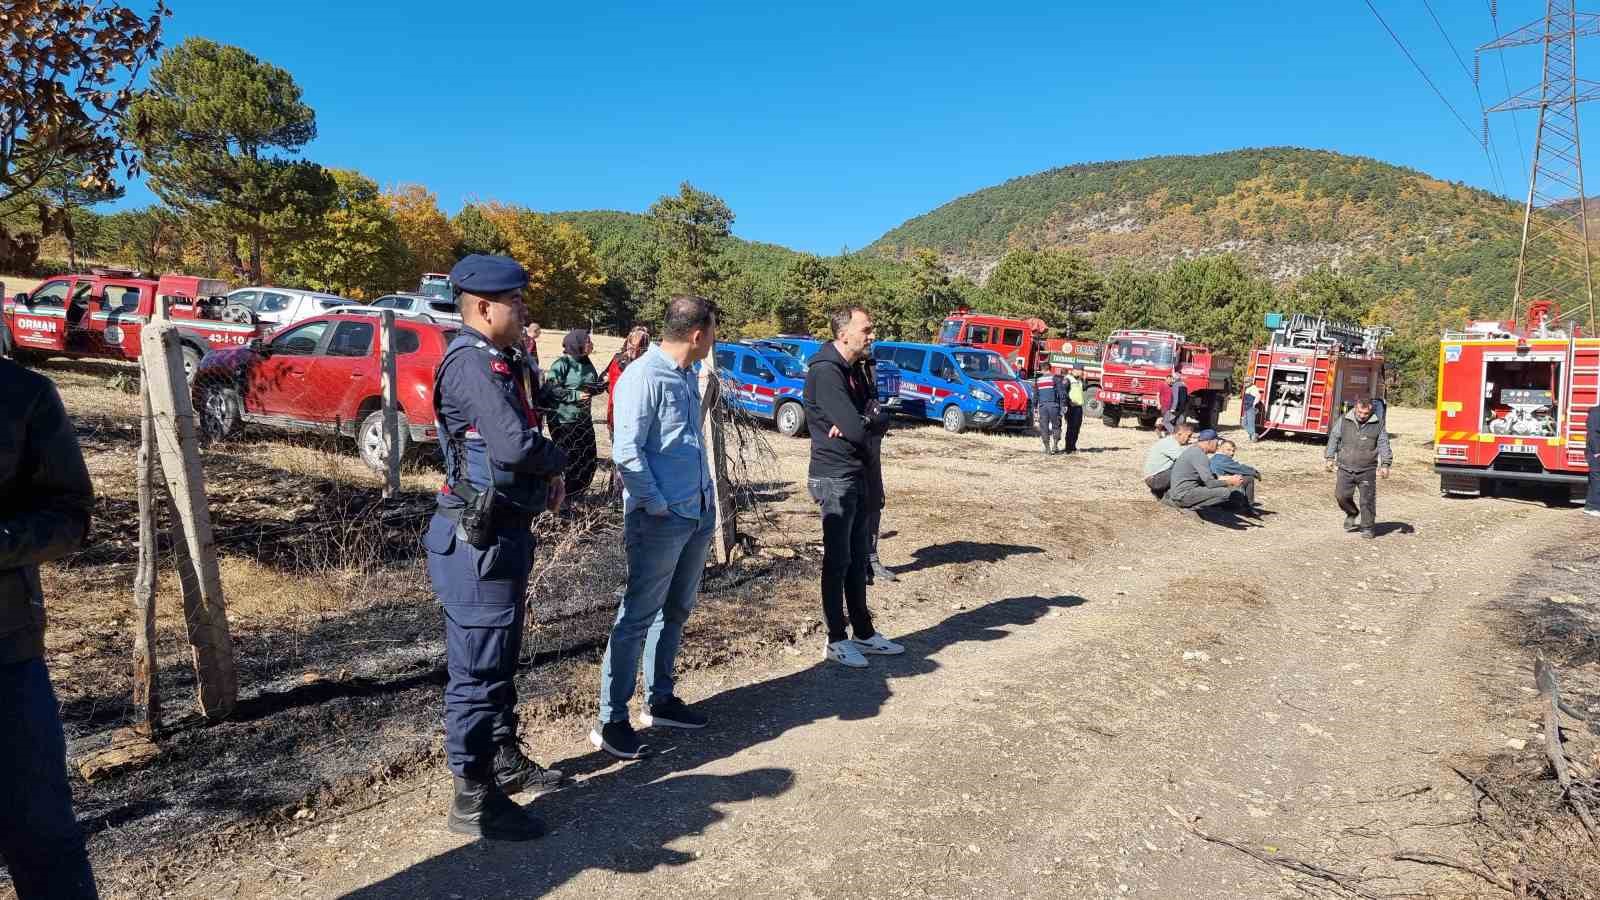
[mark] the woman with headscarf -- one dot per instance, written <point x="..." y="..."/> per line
<point x="638" y="341"/>
<point x="570" y="384"/>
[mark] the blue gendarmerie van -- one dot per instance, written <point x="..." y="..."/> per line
<point x="962" y="387"/>
<point x="803" y="347"/>
<point x="764" y="382"/>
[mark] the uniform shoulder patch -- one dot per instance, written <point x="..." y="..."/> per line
<point x="499" y="367"/>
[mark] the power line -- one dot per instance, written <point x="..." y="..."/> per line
<point x="1418" y="66"/>
<point x="1491" y="153"/>
<point x="1506" y="77"/>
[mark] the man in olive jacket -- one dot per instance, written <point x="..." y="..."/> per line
<point x="1358" y="445"/>
<point x="45" y="500"/>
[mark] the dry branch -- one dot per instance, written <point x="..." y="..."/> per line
<point x="146" y="695"/>
<point x="1544" y="675"/>
<point x="1343" y="880"/>
<point x="1433" y="859"/>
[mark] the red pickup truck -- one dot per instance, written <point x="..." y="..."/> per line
<point x="325" y="374"/>
<point x="100" y="316"/>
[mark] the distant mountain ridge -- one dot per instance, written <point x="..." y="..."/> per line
<point x="1286" y="210"/>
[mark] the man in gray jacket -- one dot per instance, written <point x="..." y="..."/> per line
<point x="1193" y="485"/>
<point x="1358" y="446"/>
<point x="45" y="500"/>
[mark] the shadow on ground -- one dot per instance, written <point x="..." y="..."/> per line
<point x="962" y="552"/>
<point x="623" y="818"/>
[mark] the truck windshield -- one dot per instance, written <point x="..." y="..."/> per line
<point x="787" y="366"/>
<point x="437" y="289"/>
<point x="1143" y="352"/>
<point x="950" y="331"/>
<point x="984" y="365"/>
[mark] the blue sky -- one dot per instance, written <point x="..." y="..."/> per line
<point x="825" y="124"/>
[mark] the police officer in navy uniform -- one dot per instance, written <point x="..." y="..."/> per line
<point x="500" y="472"/>
<point x="1049" y="392"/>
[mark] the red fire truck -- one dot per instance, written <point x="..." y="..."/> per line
<point x="1135" y="362"/>
<point x="1513" y="404"/>
<point x="1311" y="370"/>
<point x="100" y="315"/>
<point x="1023" y="344"/>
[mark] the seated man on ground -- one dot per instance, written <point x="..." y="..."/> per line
<point x="1224" y="462"/>
<point x="1195" y="488"/>
<point x="1162" y="454"/>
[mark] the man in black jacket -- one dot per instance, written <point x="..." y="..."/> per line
<point x="1358" y="445"/>
<point x="45" y="501"/>
<point x="843" y="415"/>
<point x="1591" y="452"/>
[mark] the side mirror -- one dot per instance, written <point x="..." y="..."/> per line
<point x="24" y="298"/>
<point x="257" y="346"/>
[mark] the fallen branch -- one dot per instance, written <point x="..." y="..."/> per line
<point x="1433" y="859"/>
<point x="1544" y="675"/>
<point x="1344" y="880"/>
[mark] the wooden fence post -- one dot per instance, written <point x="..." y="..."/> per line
<point x="162" y="359"/>
<point x="391" y="416"/>
<point x="727" y="533"/>
<point x="146" y="694"/>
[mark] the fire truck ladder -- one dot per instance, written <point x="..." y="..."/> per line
<point x="1583" y="392"/>
<point x="1314" y="332"/>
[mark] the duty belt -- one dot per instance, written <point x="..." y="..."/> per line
<point x="504" y="516"/>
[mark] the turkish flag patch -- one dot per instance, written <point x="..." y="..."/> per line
<point x="499" y="367"/>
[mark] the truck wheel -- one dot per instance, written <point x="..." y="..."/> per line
<point x="221" y="412"/>
<point x="1110" y="419"/>
<point x="369" y="439"/>
<point x="955" y="421"/>
<point x="1148" y="421"/>
<point x="1092" y="407"/>
<point x="791" y="419"/>
<point x="238" y="314"/>
<point x="191" y="362"/>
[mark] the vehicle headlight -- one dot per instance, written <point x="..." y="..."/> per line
<point x="983" y="395"/>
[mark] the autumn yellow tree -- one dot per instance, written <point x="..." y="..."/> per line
<point x="425" y="231"/>
<point x="564" y="274"/>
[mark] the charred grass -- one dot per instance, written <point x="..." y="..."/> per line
<point x="1525" y="826"/>
<point x="337" y="637"/>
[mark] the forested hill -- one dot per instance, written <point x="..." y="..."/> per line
<point x="1287" y="210"/>
<point x="616" y="235"/>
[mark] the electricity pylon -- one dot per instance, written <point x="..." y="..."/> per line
<point x="1553" y="263"/>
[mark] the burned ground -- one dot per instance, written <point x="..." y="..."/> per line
<point x="1090" y="680"/>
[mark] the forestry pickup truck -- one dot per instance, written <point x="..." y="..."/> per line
<point x="100" y="316"/>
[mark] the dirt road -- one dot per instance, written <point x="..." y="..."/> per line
<point x="1087" y="677"/>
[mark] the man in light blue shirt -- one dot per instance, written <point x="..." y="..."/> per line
<point x="669" y="517"/>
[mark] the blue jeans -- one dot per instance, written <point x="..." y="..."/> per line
<point x="1593" y="501"/>
<point x="666" y="557"/>
<point x="39" y="837"/>
<point x="1250" y="421"/>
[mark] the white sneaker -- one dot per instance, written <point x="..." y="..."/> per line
<point x="845" y="654"/>
<point x="880" y="645"/>
<point x="1592" y="512"/>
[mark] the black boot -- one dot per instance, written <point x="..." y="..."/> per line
<point x="514" y="771"/>
<point x="876" y="569"/>
<point x="1350" y="523"/>
<point x="482" y="810"/>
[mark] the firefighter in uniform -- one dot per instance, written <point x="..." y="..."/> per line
<point x="500" y="472"/>
<point x="1050" y="391"/>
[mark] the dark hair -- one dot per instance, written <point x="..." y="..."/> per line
<point x="839" y="319"/>
<point x="686" y="314"/>
<point x="1360" y="400"/>
<point x="1221" y="441"/>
